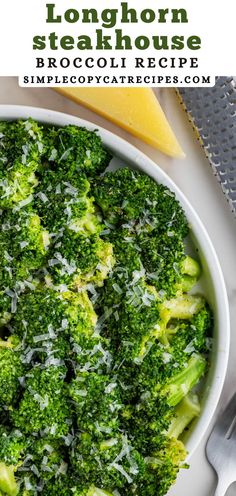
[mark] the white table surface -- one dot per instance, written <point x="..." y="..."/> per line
<point x="194" y="177"/>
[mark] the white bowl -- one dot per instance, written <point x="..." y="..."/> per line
<point x="213" y="283"/>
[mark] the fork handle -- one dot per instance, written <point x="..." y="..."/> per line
<point x="222" y="487"/>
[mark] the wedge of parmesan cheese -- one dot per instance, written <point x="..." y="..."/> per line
<point x="136" y="110"/>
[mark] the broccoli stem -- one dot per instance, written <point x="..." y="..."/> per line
<point x="8" y="483"/>
<point x="95" y="491"/>
<point x="191" y="271"/>
<point x="191" y="267"/>
<point x="183" y="307"/>
<point x="6" y="344"/>
<point x="187" y="283"/>
<point x="185" y="412"/>
<point x="181" y="383"/>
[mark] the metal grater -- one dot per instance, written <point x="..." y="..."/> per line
<point x="212" y="111"/>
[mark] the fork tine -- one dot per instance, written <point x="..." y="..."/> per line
<point x="226" y="419"/>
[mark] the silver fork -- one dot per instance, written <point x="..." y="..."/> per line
<point x="221" y="448"/>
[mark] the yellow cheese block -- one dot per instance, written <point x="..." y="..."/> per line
<point x="136" y="110"/>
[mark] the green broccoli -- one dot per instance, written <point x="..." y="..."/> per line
<point x="63" y="203"/>
<point x="184" y="339"/>
<point x="159" y="384"/>
<point x="11" y="370"/>
<point x="131" y="317"/>
<point x="44" y="406"/>
<point x="90" y="353"/>
<point x="47" y="319"/>
<point x="24" y="245"/>
<point x="166" y="264"/>
<point x="162" y="469"/>
<point x="45" y="461"/>
<point x="21" y="147"/>
<point x="188" y="409"/>
<point x="21" y="140"/>
<point x="139" y="316"/>
<point x="74" y="149"/>
<point x="97" y="403"/>
<point x="77" y="259"/>
<point x="5" y="308"/>
<point x="68" y="486"/>
<point x="130" y="197"/>
<point x="126" y="250"/>
<point x="192" y="335"/>
<point x="109" y="464"/>
<point x="102" y="344"/>
<point x="62" y="486"/>
<point x="180" y="384"/>
<point x="13" y="446"/>
<point x="183" y="307"/>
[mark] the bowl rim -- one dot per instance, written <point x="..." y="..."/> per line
<point x="131" y="154"/>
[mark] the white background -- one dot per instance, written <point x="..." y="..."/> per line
<point x="214" y="22"/>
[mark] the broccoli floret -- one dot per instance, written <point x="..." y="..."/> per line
<point x="91" y="353"/>
<point x="20" y="140"/>
<point x="97" y="402"/>
<point x="126" y="250"/>
<point x="166" y="264"/>
<point x="139" y="322"/>
<point x="16" y="187"/>
<point x="148" y="420"/>
<point x="184" y="340"/>
<point x="77" y="259"/>
<point x="44" y="405"/>
<point x="13" y="446"/>
<point x="162" y="361"/>
<point x="74" y="149"/>
<point x="45" y="460"/>
<point x="131" y="196"/>
<point x="20" y="149"/>
<point x="161" y="256"/>
<point x="47" y="320"/>
<point x="109" y="464"/>
<point x="133" y="320"/>
<point x="162" y="469"/>
<point x="168" y="382"/>
<point x="62" y="486"/>
<point x="140" y="317"/>
<point x="67" y="485"/>
<point x="11" y="369"/>
<point x="63" y="203"/>
<point x="180" y="384"/>
<point x="126" y="272"/>
<point x="24" y="245"/>
<point x="188" y="336"/>
<point x="56" y="326"/>
<point x="158" y="383"/>
<point x="201" y="326"/>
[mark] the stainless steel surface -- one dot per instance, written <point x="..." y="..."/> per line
<point x="221" y="448"/>
<point x="212" y="112"/>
